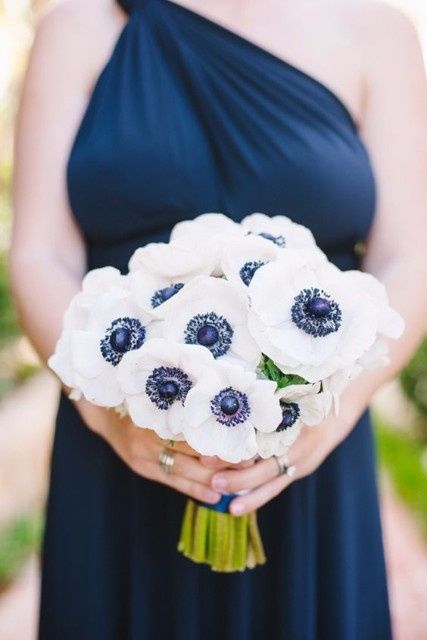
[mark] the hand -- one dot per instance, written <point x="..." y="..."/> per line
<point x="306" y="455"/>
<point x="140" y="450"/>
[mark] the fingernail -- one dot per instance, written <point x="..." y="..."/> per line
<point x="212" y="496"/>
<point x="237" y="508"/>
<point x="220" y="483"/>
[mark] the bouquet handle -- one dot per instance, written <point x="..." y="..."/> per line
<point x="211" y="535"/>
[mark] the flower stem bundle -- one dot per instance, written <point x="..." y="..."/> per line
<point x="225" y="542"/>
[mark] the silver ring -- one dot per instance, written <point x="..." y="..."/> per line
<point x="167" y="460"/>
<point x="283" y="468"/>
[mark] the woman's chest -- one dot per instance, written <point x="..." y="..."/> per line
<point x="178" y="127"/>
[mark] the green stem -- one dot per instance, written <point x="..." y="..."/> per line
<point x="225" y="542"/>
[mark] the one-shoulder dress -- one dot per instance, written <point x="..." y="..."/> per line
<point x="189" y="117"/>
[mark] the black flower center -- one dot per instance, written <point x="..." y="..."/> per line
<point x="207" y="335"/>
<point x="120" y="339"/>
<point x="279" y="240"/>
<point x="211" y="331"/>
<point x="168" y="389"/>
<point x="290" y="414"/>
<point x="162" y="295"/>
<point x="319" y="307"/>
<point x="123" y="335"/>
<point x="165" y="385"/>
<point x="230" y="404"/>
<point x="316" y="313"/>
<point x="249" y="269"/>
<point x="230" y="407"/>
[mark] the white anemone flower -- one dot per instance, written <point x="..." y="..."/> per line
<point x="210" y="312"/>
<point x="157" y="379"/>
<point x="151" y="290"/>
<point x="301" y="404"/>
<point x="178" y="263"/>
<point x="242" y="257"/>
<point x="205" y="226"/>
<point x="206" y="234"/>
<point x="376" y="357"/>
<point x="224" y="410"/>
<point x="103" y="324"/>
<point x="312" y="319"/>
<point x="76" y="318"/>
<point x="279" y="230"/>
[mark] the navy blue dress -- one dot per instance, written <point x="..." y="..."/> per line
<point x="189" y="117"/>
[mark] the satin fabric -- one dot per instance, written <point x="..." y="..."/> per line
<point x="188" y="117"/>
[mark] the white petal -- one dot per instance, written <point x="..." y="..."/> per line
<point x="103" y="390"/>
<point x="232" y="444"/>
<point x="99" y="280"/>
<point x="266" y="413"/>
<point x="144" y="413"/>
<point x="86" y="357"/>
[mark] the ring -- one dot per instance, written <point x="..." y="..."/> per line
<point x="283" y="468"/>
<point x="167" y="460"/>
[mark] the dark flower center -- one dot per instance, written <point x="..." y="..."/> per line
<point x="210" y="330"/>
<point x="168" y="389"/>
<point x="123" y="335"/>
<point x="316" y="313"/>
<point x="230" y="407"/>
<point x="319" y="307"/>
<point x="280" y="241"/>
<point x="249" y="269"/>
<point x="162" y="295"/>
<point x="120" y="339"/>
<point x="207" y="335"/>
<point x="290" y="414"/>
<point x="230" y="404"/>
<point x="165" y="385"/>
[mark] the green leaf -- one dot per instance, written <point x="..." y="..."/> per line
<point x="272" y="372"/>
<point x="288" y="380"/>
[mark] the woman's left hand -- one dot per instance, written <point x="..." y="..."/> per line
<point x="262" y="479"/>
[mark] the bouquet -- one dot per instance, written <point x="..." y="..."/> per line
<point x="230" y="337"/>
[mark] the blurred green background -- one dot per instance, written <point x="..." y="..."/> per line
<point x="400" y="412"/>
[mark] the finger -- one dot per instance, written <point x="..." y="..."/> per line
<point x="213" y="462"/>
<point x="258" y="497"/>
<point x="175" y="445"/>
<point x="254" y="476"/>
<point x="190" y="467"/>
<point x="191" y="488"/>
<point x="183" y="447"/>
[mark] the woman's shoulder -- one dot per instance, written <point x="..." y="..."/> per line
<point x="79" y="31"/>
<point x="383" y="34"/>
<point x="376" y="20"/>
<point x="66" y="15"/>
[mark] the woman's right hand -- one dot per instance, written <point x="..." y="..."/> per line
<point x="140" y="450"/>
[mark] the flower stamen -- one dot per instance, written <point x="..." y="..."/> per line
<point x="165" y="385"/>
<point x="211" y="331"/>
<point x="230" y="407"/>
<point x="123" y="335"/>
<point x="316" y="313"/>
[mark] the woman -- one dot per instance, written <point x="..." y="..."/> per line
<point x="136" y="115"/>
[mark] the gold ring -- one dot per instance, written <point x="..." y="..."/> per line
<point x="167" y="460"/>
<point x="283" y="468"/>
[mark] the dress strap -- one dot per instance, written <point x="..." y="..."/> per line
<point x="131" y="5"/>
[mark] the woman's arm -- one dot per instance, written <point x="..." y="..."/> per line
<point x="395" y="131"/>
<point x="47" y="257"/>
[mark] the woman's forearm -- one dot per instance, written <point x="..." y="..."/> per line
<point x="404" y="279"/>
<point x="42" y="288"/>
